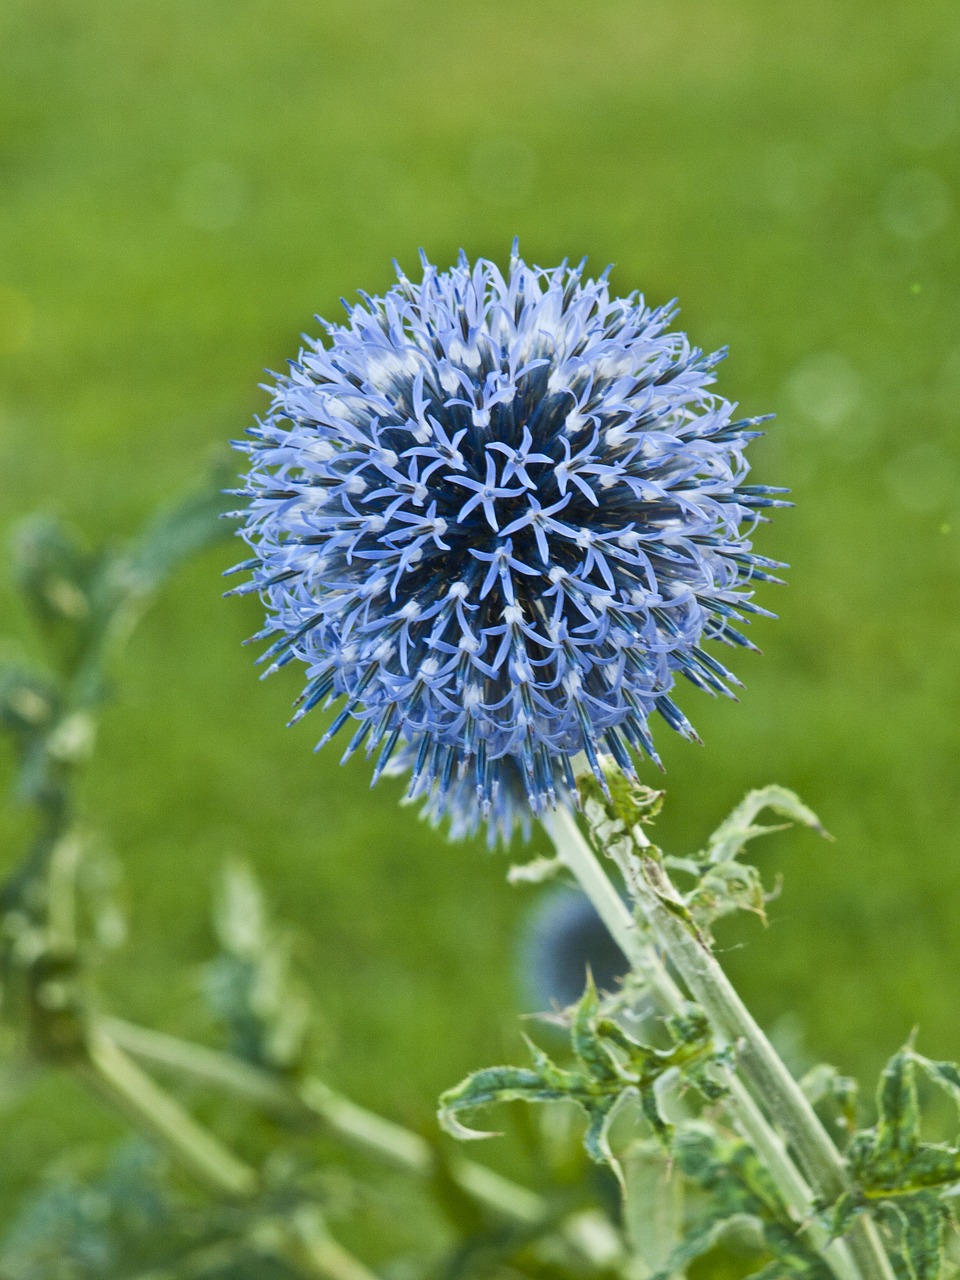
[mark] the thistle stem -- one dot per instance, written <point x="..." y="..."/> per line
<point x="861" y="1253"/>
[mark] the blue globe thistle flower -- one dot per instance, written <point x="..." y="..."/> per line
<point x="564" y="939"/>
<point x="497" y="516"/>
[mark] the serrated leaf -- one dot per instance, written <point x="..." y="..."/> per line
<point x="650" y="1104"/>
<point x="616" y="820"/>
<point x="728" y="841"/>
<point x="489" y="1086"/>
<point x="898" y="1123"/>
<point x="724" y="888"/>
<point x="933" y="1165"/>
<point x="596" y="1140"/>
<point x="722" y="883"/>
<point x="946" y="1074"/>
<point x="586" y="1043"/>
<point x="899" y="1176"/>
<point x="612" y="1070"/>
<point x="741" y="1190"/>
<point x="842" y="1213"/>
<point x="922" y="1220"/>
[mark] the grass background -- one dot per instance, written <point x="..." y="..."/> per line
<point x="183" y="185"/>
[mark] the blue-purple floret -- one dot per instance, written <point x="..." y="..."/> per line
<point x="496" y="516"/>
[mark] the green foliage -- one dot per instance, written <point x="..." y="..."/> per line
<point x="722" y="882"/>
<point x="76" y="1228"/>
<point x="85" y="604"/>
<point x="132" y="1221"/>
<point x="263" y="1213"/>
<point x="908" y="1182"/>
<point x="776" y="140"/>
<point x="612" y="1070"/>
<point x="731" y="1197"/>
<point x="58" y="908"/>
<point x="257" y="1214"/>
<point x="249" y="985"/>
<point x="739" y="1192"/>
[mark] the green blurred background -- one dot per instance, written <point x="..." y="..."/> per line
<point x="185" y="184"/>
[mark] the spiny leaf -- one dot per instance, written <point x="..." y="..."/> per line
<point x="613" y="1069"/>
<point x="741" y="1192"/>
<point x="616" y="819"/>
<point x="587" y="1044"/>
<point x="722" y="883"/>
<point x="690" y="1027"/>
<point x="488" y="1086"/>
<point x="946" y="1074"/>
<point x="730" y="838"/>
<point x="596" y="1140"/>
<point x="842" y="1213"/>
<point x="934" y="1164"/>
<point x="898" y="1123"/>
<point x="922" y="1220"/>
<point x="634" y="804"/>
<point x="899" y="1177"/>
<point x="723" y="888"/>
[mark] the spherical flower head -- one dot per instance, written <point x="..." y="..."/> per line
<point x="495" y="516"/>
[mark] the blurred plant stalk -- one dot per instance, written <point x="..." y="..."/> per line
<point x="310" y="1100"/>
<point x="299" y="1237"/>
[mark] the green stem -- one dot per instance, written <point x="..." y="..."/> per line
<point x="634" y="942"/>
<point x="262" y="1088"/>
<point x="301" y="1237"/>
<point x="118" y="1079"/>
<point x="312" y="1100"/>
<point x="862" y="1254"/>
